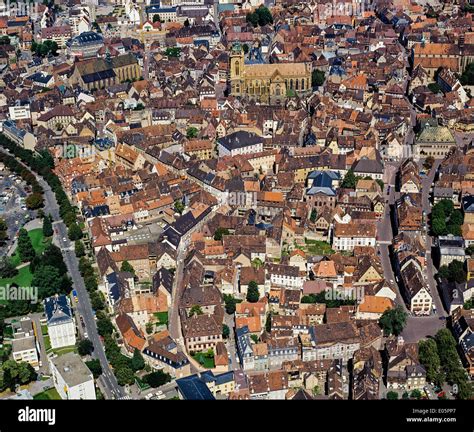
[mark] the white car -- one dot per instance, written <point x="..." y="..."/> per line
<point x="85" y="335"/>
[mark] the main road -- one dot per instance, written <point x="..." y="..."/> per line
<point x="107" y="379"/>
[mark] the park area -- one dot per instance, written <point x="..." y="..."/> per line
<point x="317" y="247"/>
<point x="50" y="394"/>
<point x="205" y="359"/>
<point x="24" y="276"/>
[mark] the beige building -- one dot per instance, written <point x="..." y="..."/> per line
<point x="434" y="141"/>
<point x="267" y="83"/>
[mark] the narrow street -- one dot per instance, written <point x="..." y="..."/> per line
<point x="417" y="327"/>
<point x="177" y="292"/>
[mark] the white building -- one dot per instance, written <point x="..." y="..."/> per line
<point x="348" y="236"/>
<point x="72" y="378"/>
<point x="61" y="325"/>
<point x="20" y="112"/>
<point x="416" y="288"/>
<point x="330" y="341"/>
<point x="240" y="142"/>
<point x="24" y="343"/>
<point x="22" y="137"/>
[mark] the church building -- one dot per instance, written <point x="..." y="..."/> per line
<point x="266" y="83"/>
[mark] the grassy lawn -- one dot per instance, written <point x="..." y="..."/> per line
<point x="64" y="350"/>
<point x="37" y="240"/>
<point x="318" y="247"/>
<point x="203" y="360"/>
<point x="22" y="279"/>
<point x="162" y="317"/>
<point x="47" y="343"/>
<point x="50" y="394"/>
<point x="44" y="329"/>
<point x="141" y="384"/>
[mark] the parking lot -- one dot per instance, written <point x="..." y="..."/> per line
<point x="13" y="192"/>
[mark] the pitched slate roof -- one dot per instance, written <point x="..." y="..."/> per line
<point x="58" y="310"/>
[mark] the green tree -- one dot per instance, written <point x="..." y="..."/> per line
<point x="456" y="217"/>
<point x="264" y="16"/>
<point x="34" y="201"/>
<point x="149" y="327"/>
<point x="195" y="310"/>
<point x="53" y="257"/>
<point x="79" y="248"/>
<point x="415" y="394"/>
<point x="91" y="283"/>
<point x="350" y="180"/>
<point x="97" y="301"/>
<point x="429" y="358"/>
<point x="105" y="327"/>
<point x="314" y="215"/>
<point x="47" y="226"/>
<point x="268" y="322"/>
<point x="85" y="347"/>
<point x="179" y="206"/>
<point x="454" y="272"/>
<point x="458" y="274"/>
<point x="260" y="17"/>
<point x="7" y="269"/>
<point x="467" y="78"/>
<point x="138" y="363"/>
<point x="95" y="367"/>
<point x="252" y="18"/>
<point x="74" y="232"/>
<point x="254" y="337"/>
<point x="317" y="78"/>
<point x="3" y="232"/>
<point x="48" y="280"/>
<point x="225" y="331"/>
<point x="127" y="267"/>
<point x="192" y="132"/>
<point x="157" y="379"/>
<point x="253" y="294"/>
<point x="173" y="52"/>
<point x="393" y="320"/>
<point x="220" y="232"/>
<point x="125" y="376"/>
<point x="439" y="227"/>
<point x="443" y="272"/>
<point x="25" y="247"/>
<point x="434" y="87"/>
<point x="16" y="374"/>
<point x="230" y="303"/>
<point x="391" y="395"/>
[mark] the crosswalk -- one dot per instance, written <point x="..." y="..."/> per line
<point x="127" y="397"/>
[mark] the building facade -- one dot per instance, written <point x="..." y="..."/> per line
<point x="267" y="83"/>
<point x="72" y="378"/>
<point x="61" y="326"/>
